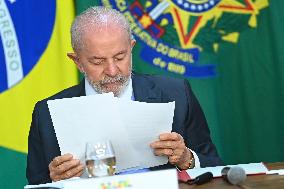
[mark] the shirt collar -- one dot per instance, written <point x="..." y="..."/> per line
<point x="126" y="94"/>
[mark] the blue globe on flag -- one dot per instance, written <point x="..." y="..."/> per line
<point x="25" y="33"/>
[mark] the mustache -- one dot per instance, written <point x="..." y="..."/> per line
<point x="99" y="86"/>
<point x="118" y="78"/>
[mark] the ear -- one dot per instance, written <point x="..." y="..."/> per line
<point x="76" y="60"/>
<point x="133" y="42"/>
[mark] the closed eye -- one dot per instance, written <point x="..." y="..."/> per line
<point x="96" y="61"/>
<point x="120" y="57"/>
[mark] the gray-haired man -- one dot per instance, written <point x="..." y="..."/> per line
<point x="102" y="43"/>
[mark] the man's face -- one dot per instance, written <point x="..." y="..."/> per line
<point x="105" y="59"/>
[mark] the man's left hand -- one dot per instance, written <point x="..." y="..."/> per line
<point x="173" y="146"/>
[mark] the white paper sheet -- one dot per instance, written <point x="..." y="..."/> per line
<point x="144" y="122"/>
<point x="272" y="172"/>
<point x="131" y="126"/>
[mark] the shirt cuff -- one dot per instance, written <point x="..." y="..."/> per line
<point x="196" y="159"/>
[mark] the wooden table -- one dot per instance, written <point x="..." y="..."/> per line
<point x="252" y="182"/>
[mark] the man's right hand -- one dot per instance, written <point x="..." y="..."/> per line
<point x="64" y="167"/>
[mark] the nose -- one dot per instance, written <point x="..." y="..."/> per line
<point x="111" y="68"/>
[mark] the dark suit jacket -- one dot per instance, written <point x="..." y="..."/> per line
<point x="189" y="121"/>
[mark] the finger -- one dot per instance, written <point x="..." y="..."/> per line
<point x="58" y="160"/>
<point x="61" y="159"/>
<point x="79" y="173"/>
<point x="164" y="144"/>
<point x="54" y="178"/>
<point x="66" y="166"/>
<point x="170" y="136"/>
<point x="73" y="171"/>
<point x="65" y="171"/>
<point x="163" y="152"/>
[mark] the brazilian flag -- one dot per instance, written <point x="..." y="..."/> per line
<point x="231" y="51"/>
<point x="33" y="65"/>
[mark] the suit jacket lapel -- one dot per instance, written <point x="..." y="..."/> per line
<point x="145" y="90"/>
<point x="78" y="90"/>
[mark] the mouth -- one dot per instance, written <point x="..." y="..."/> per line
<point x="110" y="86"/>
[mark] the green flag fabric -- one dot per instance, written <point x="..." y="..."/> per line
<point x="230" y="50"/>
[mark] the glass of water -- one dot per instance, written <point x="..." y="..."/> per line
<point x="100" y="159"/>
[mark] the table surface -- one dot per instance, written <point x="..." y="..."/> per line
<point x="252" y="182"/>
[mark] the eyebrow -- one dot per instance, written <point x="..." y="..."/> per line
<point x="117" y="54"/>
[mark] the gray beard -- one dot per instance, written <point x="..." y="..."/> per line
<point x="98" y="86"/>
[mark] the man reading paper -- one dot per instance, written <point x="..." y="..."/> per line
<point x="102" y="43"/>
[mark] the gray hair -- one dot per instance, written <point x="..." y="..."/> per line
<point x="96" y="17"/>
